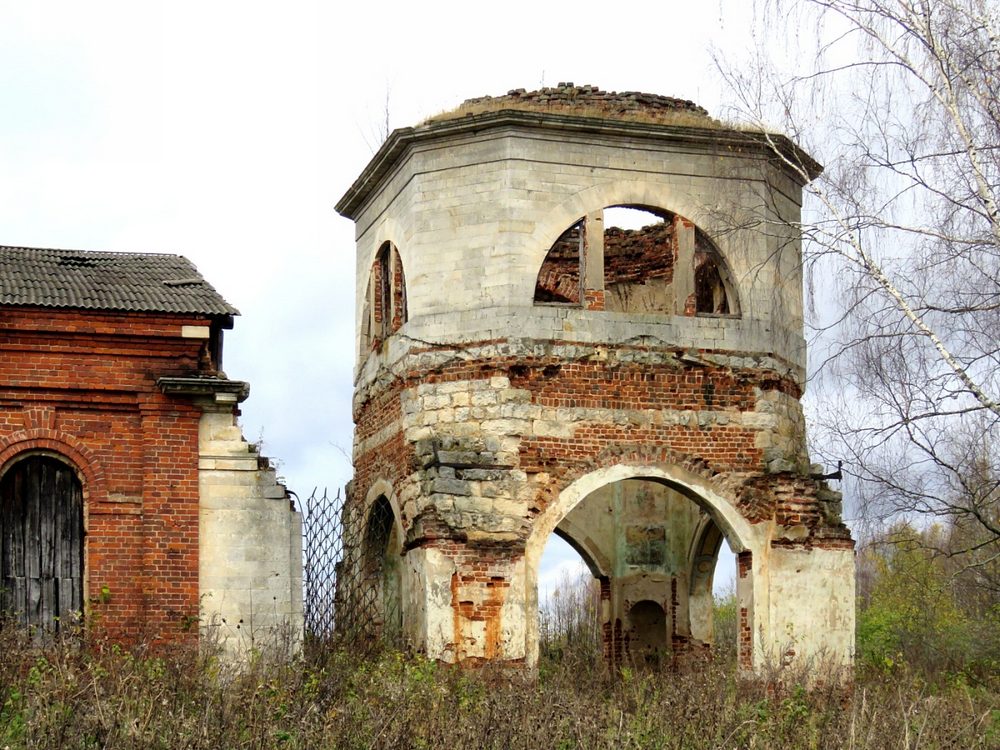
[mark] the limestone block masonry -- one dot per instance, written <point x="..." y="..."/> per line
<point x="250" y="557"/>
<point x="491" y="414"/>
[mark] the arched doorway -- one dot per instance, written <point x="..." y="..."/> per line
<point x="654" y="528"/>
<point x="382" y="572"/>
<point x="647" y="627"/>
<point x="41" y="542"/>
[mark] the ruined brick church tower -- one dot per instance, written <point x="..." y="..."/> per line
<point x="527" y="367"/>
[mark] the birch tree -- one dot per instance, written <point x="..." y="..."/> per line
<point x="899" y="99"/>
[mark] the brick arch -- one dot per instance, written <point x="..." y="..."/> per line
<point x="92" y="475"/>
<point x="382" y="487"/>
<point x="718" y="501"/>
<point x="732" y="490"/>
<point x="691" y="481"/>
<point x="654" y="196"/>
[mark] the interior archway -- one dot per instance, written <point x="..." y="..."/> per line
<point x="712" y="597"/>
<point x="657" y="532"/>
<point x="381" y="571"/>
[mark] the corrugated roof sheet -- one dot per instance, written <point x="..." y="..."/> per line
<point x="138" y="282"/>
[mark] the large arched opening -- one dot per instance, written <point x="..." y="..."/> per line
<point x="651" y="537"/>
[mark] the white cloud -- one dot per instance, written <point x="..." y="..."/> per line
<point x="226" y="131"/>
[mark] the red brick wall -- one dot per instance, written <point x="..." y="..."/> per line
<point x="392" y="459"/>
<point x="83" y="384"/>
<point x="630" y="256"/>
<point x="710" y="449"/>
<point x="596" y="385"/>
<point x="637" y="255"/>
<point x="559" y="277"/>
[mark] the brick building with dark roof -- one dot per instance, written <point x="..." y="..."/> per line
<point x="127" y="492"/>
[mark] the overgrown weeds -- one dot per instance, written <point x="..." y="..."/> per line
<point x="64" y="695"/>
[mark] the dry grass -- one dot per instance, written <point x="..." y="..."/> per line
<point x="678" y="118"/>
<point x="63" y="696"/>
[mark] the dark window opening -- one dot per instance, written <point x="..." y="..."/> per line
<point x="383" y="310"/>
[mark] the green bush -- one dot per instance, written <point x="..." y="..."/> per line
<point x="911" y="613"/>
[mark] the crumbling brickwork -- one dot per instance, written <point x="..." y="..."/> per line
<point x="656" y="399"/>
<point x="566" y="98"/>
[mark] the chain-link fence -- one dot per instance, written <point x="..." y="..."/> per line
<point x="352" y="573"/>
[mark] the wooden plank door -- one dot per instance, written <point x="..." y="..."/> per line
<point x="41" y="542"/>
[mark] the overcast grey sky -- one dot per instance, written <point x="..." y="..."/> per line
<point x="226" y="131"/>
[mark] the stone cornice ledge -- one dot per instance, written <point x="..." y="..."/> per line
<point x="786" y="151"/>
<point x="220" y="390"/>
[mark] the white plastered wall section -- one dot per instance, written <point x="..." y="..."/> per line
<point x="474" y="221"/>
<point x="250" y="563"/>
<point x="812" y="609"/>
<point x="428" y="616"/>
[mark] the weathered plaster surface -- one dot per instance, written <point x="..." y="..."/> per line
<point x="250" y="561"/>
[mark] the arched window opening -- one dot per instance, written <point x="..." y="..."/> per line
<point x="41" y="543"/>
<point x="381" y="572"/>
<point x="638" y="260"/>
<point x="384" y="310"/>
<point x="559" y="278"/>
